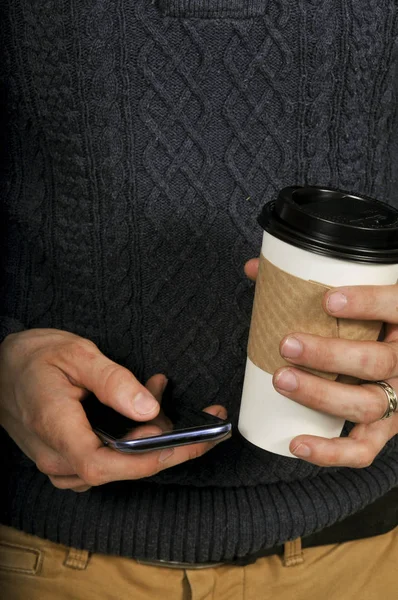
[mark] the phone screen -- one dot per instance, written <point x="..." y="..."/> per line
<point x="123" y="434"/>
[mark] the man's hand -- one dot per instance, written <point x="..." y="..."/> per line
<point x="361" y="404"/>
<point x="44" y="375"/>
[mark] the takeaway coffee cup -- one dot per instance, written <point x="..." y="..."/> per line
<point x="314" y="239"/>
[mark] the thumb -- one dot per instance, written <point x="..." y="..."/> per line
<point x="113" y="385"/>
<point x="251" y="268"/>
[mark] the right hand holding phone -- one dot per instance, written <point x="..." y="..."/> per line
<point x="44" y="376"/>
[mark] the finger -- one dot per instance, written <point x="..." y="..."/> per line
<point x="51" y="463"/>
<point x="217" y="411"/>
<point x="357" y="451"/>
<point x="158" y="426"/>
<point x="73" y="482"/>
<point x="109" y="465"/>
<point x="390" y="333"/>
<point x="67" y="430"/>
<point x="355" y="403"/>
<point x="366" y="360"/>
<point x="156" y="386"/>
<point x="62" y="425"/>
<point x="143" y="431"/>
<point x="162" y="422"/>
<point x="46" y="459"/>
<point x="93" y="464"/>
<point x="174" y="456"/>
<point x="251" y="268"/>
<point x="99" y="465"/>
<point x="113" y="385"/>
<point x="150" y="463"/>
<point x="372" y="302"/>
<point x="81" y="488"/>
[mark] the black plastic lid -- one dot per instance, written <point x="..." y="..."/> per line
<point x="334" y="223"/>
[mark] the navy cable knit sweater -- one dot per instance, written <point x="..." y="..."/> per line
<point x="140" y="141"/>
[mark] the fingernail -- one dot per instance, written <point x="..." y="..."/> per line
<point x="291" y="348"/>
<point x="336" y="302"/>
<point x="144" y="403"/>
<point x="166" y="381"/>
<point x="165" y="454"/>
<point x="302" y="450"/>
<point x="221" y="414"/>
<point x="286" y="380"/>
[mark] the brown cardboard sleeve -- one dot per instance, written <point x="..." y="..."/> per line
<point x="284" y="304"/>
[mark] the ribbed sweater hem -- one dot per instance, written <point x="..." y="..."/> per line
<point x="139" y="519"/>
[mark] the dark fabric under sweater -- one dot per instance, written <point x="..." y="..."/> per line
<point x="141" y="141"/>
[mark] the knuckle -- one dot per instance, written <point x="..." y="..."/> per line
<point x="321" y="354"/>
<point x="331" y="453"/>
<point x="366" y="368"/>
<point x="388" y="363"/>
<point x="115" y="375"/>
<point x="368" y="299"/>
<point x="22" y="348"/>
<point x="370" y="364"/>
<point x="81" y="488"/>
<point x="368" y="415"/>
<point x="36" y="421"/>
<point x="29" y="420"/>
<point x="83" y="349"/>
<point x="90" y="473"/>
<point x="196" y="451"/>
<point x="57" y="483"/>
<point x="150" y="471"/>
<point x="152" y="466"/>
<point x="14" y="343"/>
<point x="88" y="345"/>
<point x="371" y="408"/>
<point x="76" y="351"/>
<point x="68" y="483"/>
<point x="331" y="457"/>
<point x="378" y="362"/>
<point x="47" y="465"/>
<point x="317" y="399"/>
<point x="364" y="459"/>
<point x="8" y="344"/>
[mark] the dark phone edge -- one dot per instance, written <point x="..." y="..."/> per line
<point x="180" y="437"/>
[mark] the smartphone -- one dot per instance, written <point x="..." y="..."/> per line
<point x="128" y="436"/>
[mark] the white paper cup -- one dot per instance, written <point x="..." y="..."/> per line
<point x="268" y="419"/>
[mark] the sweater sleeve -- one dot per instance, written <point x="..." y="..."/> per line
<point x="9" y="325"/>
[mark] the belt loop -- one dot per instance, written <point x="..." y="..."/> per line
<point x="293" y="554"/>
<point x="76" y="559"/>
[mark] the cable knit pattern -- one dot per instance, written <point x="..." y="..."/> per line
<point x="212" y="9"/>
<point x="323" y="26"/>
<point x="142" y="139"/>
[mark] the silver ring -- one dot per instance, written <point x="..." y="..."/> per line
<point x="391" y="397"/>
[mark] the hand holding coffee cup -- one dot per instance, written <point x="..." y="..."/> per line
<point x="358" y="247"/>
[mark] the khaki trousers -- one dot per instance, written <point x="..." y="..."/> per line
<point x="35" y="569"/>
